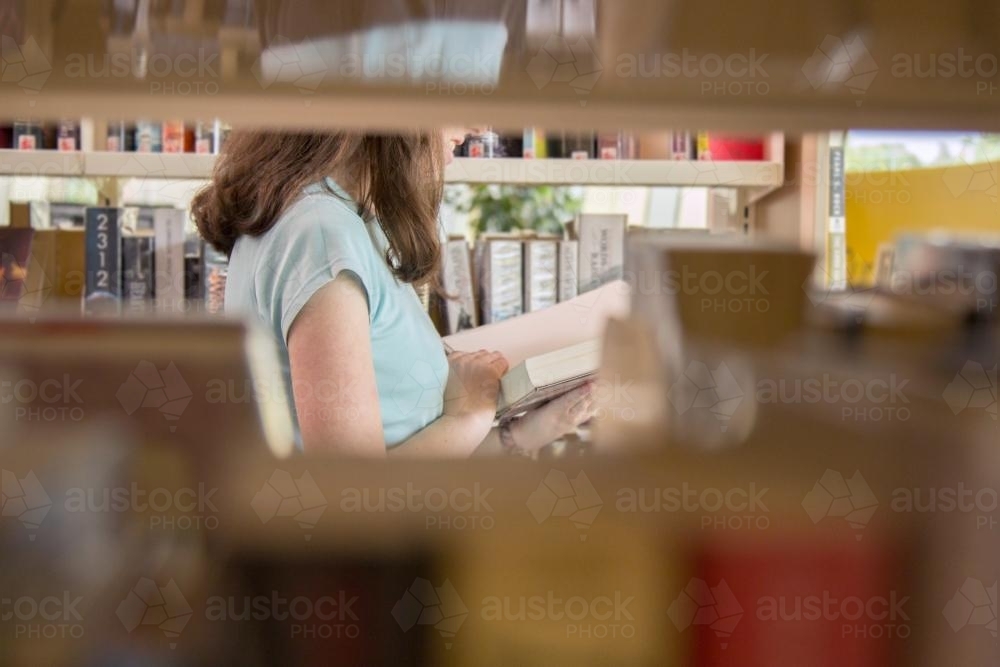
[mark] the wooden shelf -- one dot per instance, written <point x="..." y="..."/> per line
<point x="511" y="171"/>
<point x="819" y="70"/>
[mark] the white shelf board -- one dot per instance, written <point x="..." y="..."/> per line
<point x="512" y="171"/>
<point x="149" y="165"/>
<point x="106" y="164"/>
<point x="679" y="173"/>
<point x="40" y="163"/>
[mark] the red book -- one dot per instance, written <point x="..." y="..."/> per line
<point x="794" y="603"/>
<point x="716" y="146"/>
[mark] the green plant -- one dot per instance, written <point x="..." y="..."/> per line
<point x="505" y="208"/>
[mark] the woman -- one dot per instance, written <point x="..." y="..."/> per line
<point x="327" y="235"/>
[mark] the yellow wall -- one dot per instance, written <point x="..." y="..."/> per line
<point x="881" y="205"/>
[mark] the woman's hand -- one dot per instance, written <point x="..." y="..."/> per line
<point x="554" y="419"/>
<point x="473" y="387"/>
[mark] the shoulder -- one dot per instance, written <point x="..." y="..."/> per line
<point x="316" y="239"/>
<point x="318" y="213"/>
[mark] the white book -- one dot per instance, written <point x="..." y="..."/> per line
<point x="602" y="249"/>
<point x="569" y="252"/>
<point x="501" y="288"/>
<point x="541" y="274"/>
<point x="542" y="378"/>
<point x="460" y="311"/>
<point x="168" y="248"/>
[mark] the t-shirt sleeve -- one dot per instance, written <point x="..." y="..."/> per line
<point x="310" y="247"/>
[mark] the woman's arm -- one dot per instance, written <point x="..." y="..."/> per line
<point x="336" y="397"/>
<point x="333" y="378"/>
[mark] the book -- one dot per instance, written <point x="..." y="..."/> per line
<point x="682" y="146"/>
<point x="66" y="216"/>
<point x="15" y="253"/>
<point x="602" y="249"/>
<point x="168" y="232"/>
<point x="30" y="214"/>
<point x="103" y="259"/>
<point x="541" y="274"/>
<point x="569" y="252"/>
<point x="214" y="275"/>
<point x="47" y="215"/>
<point x="460" y="307"/>
<point x="539" y="379"/>
<point x="148" y="137"/>
<point x="68" y="136"/>
<point x="807" y="596"/>
<point x="173" y="136"/>
<point x="703" y="150"/>
<point x="138" y="271"/>
<point x="144" y="217"/>
<point x="193" y="287"/>
<point x="535" y="144"/>
<point x="500" y="280"/>
<point x="716" y="146"/>
<point x="59" y="280"/>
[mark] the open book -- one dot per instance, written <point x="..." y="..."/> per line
<point x="540" y="379"/>
<point x="550" y="351"/>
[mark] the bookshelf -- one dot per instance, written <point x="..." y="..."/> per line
<point x="101" y="164"/>
<point x="507" y="171"/>
<point x="652" y="444"/>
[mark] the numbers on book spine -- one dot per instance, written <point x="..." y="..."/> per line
<point x="103" y="274"/>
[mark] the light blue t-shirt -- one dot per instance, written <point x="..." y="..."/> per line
<point x="273" y="276"/>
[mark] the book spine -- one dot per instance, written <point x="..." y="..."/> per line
<point x="148" y="137"/>
<point x="102" y="250"/>
<point x="609" y="145"/>
<point x="602" y="250"/>
<point x="704" y="146"/>
<point x="168" y="231"/>
<point x="541" y="271"/>
<point x="137" y="271"/>
<point x="568" y="270"/>
<point x="681" y="146"/>
<point x="15" y="260"/>
<point x="173" y="136"/>
<point x="460" y="310"/>
<point x="193" y="287"/>
<point x="504" y="297"/>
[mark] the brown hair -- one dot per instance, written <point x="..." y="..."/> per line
<point x="397" y="178"/>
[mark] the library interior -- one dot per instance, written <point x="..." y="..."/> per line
<point x="499" y="333"/>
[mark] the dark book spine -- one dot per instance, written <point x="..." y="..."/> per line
<point x="193" y="285"/>
<point x="103" y="261"/>
<point x="138" y="271"/>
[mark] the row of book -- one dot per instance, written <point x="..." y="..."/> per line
<point x="506" y="275"/>
<point x="174" y="136"/>
<point x="536" y="143"/>
<point x="120" y="260"/>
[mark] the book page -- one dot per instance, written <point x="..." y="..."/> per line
<point x="568" y="323"/>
